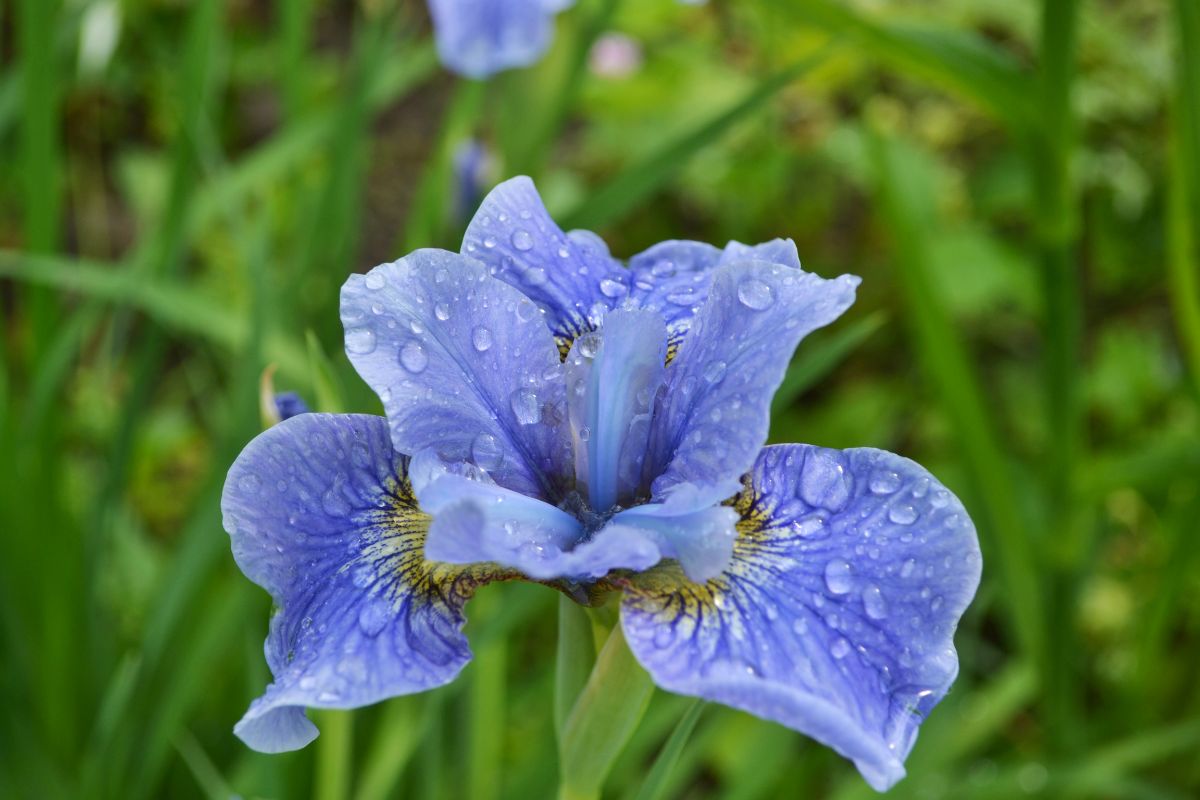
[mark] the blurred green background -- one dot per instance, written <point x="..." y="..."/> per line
<point x="185" y="185"/>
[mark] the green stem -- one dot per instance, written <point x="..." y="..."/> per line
<point x="576" y="654"/>
<point x="1062" y="329"/>
<point x="605" y="716"/>
<point x="334" y="751"/>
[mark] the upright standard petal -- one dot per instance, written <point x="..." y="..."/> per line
<point x="464" y="365"/>
<point x="570" y="276"/>
<point x="836" y="617"/>
<point x="478" y="38"/>
<point x="673" y="277"/>
<point x="711" y="421"/>
<point x="612" y="377"/>
<point x="321" y="515"/>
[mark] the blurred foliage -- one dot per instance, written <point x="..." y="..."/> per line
<point x="185" y="185"/>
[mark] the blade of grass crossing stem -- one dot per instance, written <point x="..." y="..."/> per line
<point x="1183" y="179"/>
<point x="948" y="367"/>
<point x="959" y="61"/>
<point x="41" y="157"/>
<point x="656" y="784"/>
<point x="603" y="719"/>
<point x="575" y="656"/>
<point x="208" y="777"/>
<point x="622" y="194"/>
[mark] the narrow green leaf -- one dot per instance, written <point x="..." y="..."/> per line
<point x="327" y="390"/>
<point x="621" y="195"/>
<point x="956" y="60"/>
<point x="905" y="191"/>
<point x="603" y="719"/>
<point x="1183" y="189"/>
<point x="335" y="752"/>
<point x="820" y="355"/>
<point x="575" y="655"/>
<point x="401" y="728"/>
<point x="657" y="781"/>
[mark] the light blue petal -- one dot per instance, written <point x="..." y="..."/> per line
<point x="612" y="377"/>
<point x="464" y="365"/>
<point x="476" y="521"/>
<point x="673" y="277"/>
<point x="713" y="416"/>
<point x="700" y="539"/>
<point x="571" y="277"/>
<point x="836" y="617"/>
<point x="320" y="514"/>
<point x="478" y="38"/>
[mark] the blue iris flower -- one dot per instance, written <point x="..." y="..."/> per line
<point x="478" y="38"/>
<point x="556" y="415"/>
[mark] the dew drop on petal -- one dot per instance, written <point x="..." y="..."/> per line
<point x="373" y="616"/>
<point x="535" y="276"/>
<point x="522" y="240"/>
<point x="873" y="602"/>
<point x="524" y="404"/>
<point x="884" y="481"/>
<point x="250" y="483"/>
<point x="441" y="311"/>
<point x="360" y="341"/>
<point x="840" y="648"/>
<point x="714" y="371"/>
<point x="374" y="280"/>
<point x="481" y="338"/>
<point x="902" y="514"/>
<point x="756" y="294"/>
<point x="414" y="358"/>
<point x="486" y="452"/>
<point x="837" y="576"/>
<point x="611" y="288"/>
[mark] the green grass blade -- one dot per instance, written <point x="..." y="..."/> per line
<point x="1183" y="188"/>
<point x="905" y="191"/>
<point x="956" y="60"/>
<point x="575" y="655"/>
<point x="656" y="783"/>
<point x="622" y="194"/>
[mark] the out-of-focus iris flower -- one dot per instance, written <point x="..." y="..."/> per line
<point x="478" y="38"/>
<point x="289" y="404"/>
<point x="556" y="415"/>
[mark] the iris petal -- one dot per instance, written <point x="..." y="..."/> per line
<point x="572" y="277"/>
<point x="320" y="514"/>
<point x="476" y="521"/>
<point x="477" y="38"/>
<point x="464" y="364"/>
<point x="837" y="615"/>
<point x="714" y="414"/>
<point x="612" y="377"/>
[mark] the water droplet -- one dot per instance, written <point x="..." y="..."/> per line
<point x="611" y="288"/>
<point x="535" y="276"/>
<point x="837" y="576"/>
<point x="441" y="311"/>
<point x="714" y="371"/>
<point x="840" y="648"/>
<point x="416" y="327"/>
<point x="360" y="341"/>
<point x="375" y="280"/>
<point x="756" y="294"/>
<point x="440" y="276"/>
<point x="936" y="604"/>
<point x="489" y="242"/>
<point x="800" y="626"/>
<point x="334" y="502"/>
<point x="522" y="240"/>
<point x="373" y="616"/>
<point x="884" y="482"/>
<point x="524" y="404"/>
<point x="874" y="603"/>
<point x="563" y="252"/>
<point x="353" y="669"/>
<point x="414" y="358"/>
<point x="250" y="483"/>
<point x="903" y="514"/>
<point x="486" y="452"/>
<point x="481" y="338"/>
<point x="907" y="569"/>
